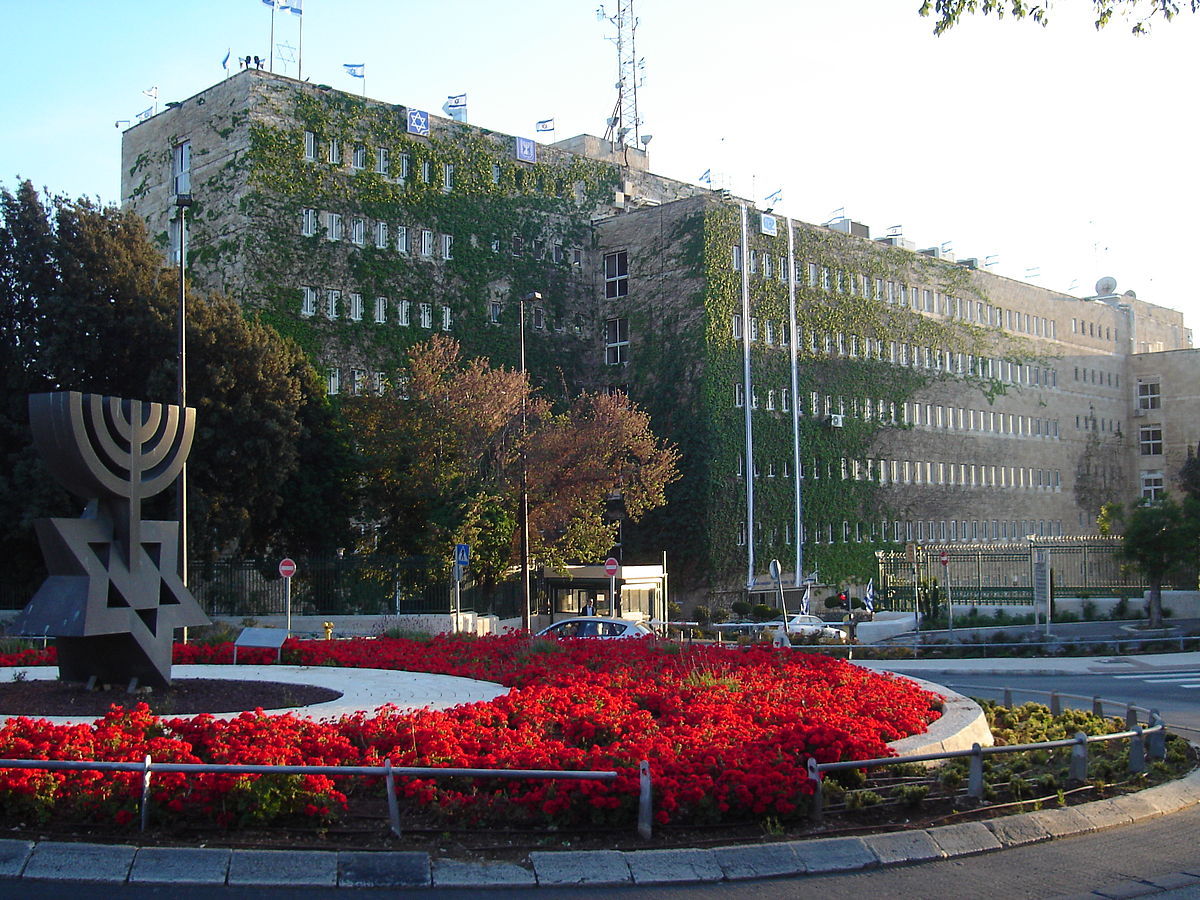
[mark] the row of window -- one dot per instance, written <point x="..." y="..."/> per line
<point x="352" y="304"/>
<point x="356" y="381"/>
<point x="902" y="471"/>
<point x="1095" y="376"/>
<point x="898" y="531"/>
<point x="1093" y="329"/>
<point x="1092" y="422"/>
<point x="380" y="160"/>
<point x="407" y="240"/>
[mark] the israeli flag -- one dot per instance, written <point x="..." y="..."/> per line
<point x="355" y="70"/>
<point x="145" y="114"/>
<point x="545" y="125"/>
<point x="225" y="61"/>
<point x="295" y="7"/>
<point x="418" y="122"/>
<point x="456" y="101"/>
<point x="274" y="4"/>
<point x="774" y="199"/>
<point x="869" y="596"/>
<point x="706" y="178"/>
<point x="805" y="600"/>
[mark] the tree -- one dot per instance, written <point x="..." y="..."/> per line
<point x="442" y="457"/>
<point x="949" y="13"/>
<point x="1189" y="475"/>
<point x="1161" y="538"/>
<point x="86" y="304"/>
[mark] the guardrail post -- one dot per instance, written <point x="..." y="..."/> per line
<point x="975" y="773"/>
<point x="146" y="792"/>
<point x="1137" y="751"/>
<point x="1079" y="759"/>
<point x="817" y="813"/>
<point x="393" y="805"/>
<point x="1008" y="697"/>
<point x="645" y="801"/>
<point x="1156" y="745"/>
<point x="1055" y="704"/>
<point x="1097" y="707"/>
<point x="1130" y="716"/>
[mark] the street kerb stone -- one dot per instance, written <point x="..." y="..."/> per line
<point x="899" y="847"/>
<point x="290" y="867"/>
<point x="758" y="861"/>
<point x="80" y="862"/>
<point x="1105" y="814"/>
<point x="1013" y="831"/>
<point x="964" y="839"/>
<point x="383" y="869"/>
<point x="669" y="866"/>
<point x="180" y="865"/>
<point x="13" y="856"/>
<point x="834" y="855"/>
<point x="1063" y="822"/>
<point x="580" y="867"/>
<point x="1137" y="806"/>
<point x="458" y="873"/>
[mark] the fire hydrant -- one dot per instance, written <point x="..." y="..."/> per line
<point x="328" y="626"/>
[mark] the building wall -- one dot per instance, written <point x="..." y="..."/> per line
<point x="1165" y="416"/>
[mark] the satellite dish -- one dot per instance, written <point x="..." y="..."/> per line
<point x="1106" y="285"/>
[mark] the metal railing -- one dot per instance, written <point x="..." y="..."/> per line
<point x="387" y="771"/>
<point x="1147" y="742"/>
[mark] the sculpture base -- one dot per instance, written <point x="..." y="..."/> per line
<point x="113" y="659"/>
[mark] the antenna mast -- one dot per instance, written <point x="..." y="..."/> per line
<point x="624" y="120"/>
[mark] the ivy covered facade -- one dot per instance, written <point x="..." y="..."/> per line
<point x="831" y="395"/>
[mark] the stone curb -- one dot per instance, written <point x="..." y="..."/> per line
<point x="58" y="861"/>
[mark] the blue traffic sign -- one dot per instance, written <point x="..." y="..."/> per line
<point x="462" y="554"/>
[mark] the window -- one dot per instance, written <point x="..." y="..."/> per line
<point x="737" y="326"/>
<point x="358" y="159"/>
<point x="1149" y="394"/>
<point x="737" y="258"/>
<point x="445" y="318"/>
<point x="335" y="151"/>
<point x="333" y="226"/>
<point x="402" y="243"/>
<point x="494" y="311"/>
<point x="1150" y="440"/>
<point x="426" y="312"/>
<point x="358" y="381"/>
<point x="783" y="403"/>
<point x="181" y="167"/>
<point x="308" y="222"/>
<point x="383" y="161"/>
<point x="402" y="312"/>
<point x="334" y="380"/>
<point x="770" y="398"/>
<point x="770" y="332"/>
<point x="616" y="341"/>
<point x="405" y="166"/>
<point x="447" y="246"/>
<point x="333" y="300"/>
<point x="616" y="274"/>
<point x="495" y="173"/>
<point x="381" y="235"/>
<point x="426" y="243"/>
<point x="448" y="177"/>
<point x="380" y="310"/>
<point x="426" y="171"/>
<point x="358" y="230"/>
<point x="308" y="300"/>
<point x="539" y="319"/>
<point x="310" y="146"/>
<point x="1152" y="485"/>
<point x="356" y="307"/>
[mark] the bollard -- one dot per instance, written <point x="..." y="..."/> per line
<point x="645" y="801"/>
<point x="146" y="792"/>
<point x="816" y="815"/>
<point x="393" y="805"/>
<point x="975" y="773"/>
<point x="1137" y="751"/>
<point x="1130" y="717"/>
<point x="1079" y="759"/>
<point x="1097" y="707"/>
<point x="1156" y="743"/>
<point x="1008" y="697"/>
<point x="1055" y="704"/>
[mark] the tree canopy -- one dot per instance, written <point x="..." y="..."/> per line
<point x="1161" y="540"/>
<point x="87" y="304"/>
<point x="442" y="458"/>
<point x="1140" y="13"/>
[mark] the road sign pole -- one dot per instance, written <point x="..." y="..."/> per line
<point x="287" y="568"/>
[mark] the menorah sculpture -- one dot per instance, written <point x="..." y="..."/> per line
<point x="114" y="597"/>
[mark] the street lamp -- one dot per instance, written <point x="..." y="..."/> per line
<point x="182" y="202"/>
<point x="526" y="613"/>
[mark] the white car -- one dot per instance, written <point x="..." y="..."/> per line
<point x="808" y="626"/>
<point x="596" y="627"/>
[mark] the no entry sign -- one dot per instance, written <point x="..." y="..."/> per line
<point x="287" y="567"/>
<point x="610" y="567"/>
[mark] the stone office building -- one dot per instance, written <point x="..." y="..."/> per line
<point x="830" y="394"/>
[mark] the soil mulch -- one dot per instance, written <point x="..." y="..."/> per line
<point x="185" y="696"/>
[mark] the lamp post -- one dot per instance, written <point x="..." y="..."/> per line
<point x="182" y="202"/>
<point x="526" y="612"/>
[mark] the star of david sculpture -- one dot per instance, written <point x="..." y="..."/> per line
<point x="113" y="597"/>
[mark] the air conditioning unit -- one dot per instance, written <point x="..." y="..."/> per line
<point x="837" y="421"/>
<point x="1138" y="412"/>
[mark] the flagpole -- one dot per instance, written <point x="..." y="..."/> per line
<point x="271" y="55"/>
<point x="300" y="64"/>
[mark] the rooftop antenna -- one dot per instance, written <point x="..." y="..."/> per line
<point x="624" y="120"/>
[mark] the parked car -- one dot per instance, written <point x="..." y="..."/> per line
<point x="596" y="627"/>
<point x="809" y="626"/>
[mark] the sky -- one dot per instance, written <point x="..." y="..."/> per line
<point x="1054" y="152"/>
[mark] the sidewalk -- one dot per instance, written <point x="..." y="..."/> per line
<point x="1060" y="665"/>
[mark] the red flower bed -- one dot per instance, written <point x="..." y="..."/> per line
<point x="727" y="733"/>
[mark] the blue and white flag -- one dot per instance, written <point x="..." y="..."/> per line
<point x="355" y="70"/>
<point x="774" y="199"/>
<point x="225" y="61"/>
<point x="274" y="4"/>
<point x="145" y="114"/>
<point x="869" y="596"/>
<point x="418" y="122"/>
<point x="295" y="7"/>
<point x="456" y="101"/>
<point x="706" y="178"/>
<point x="804" y="601"/>
<point x="545" y="125"/>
